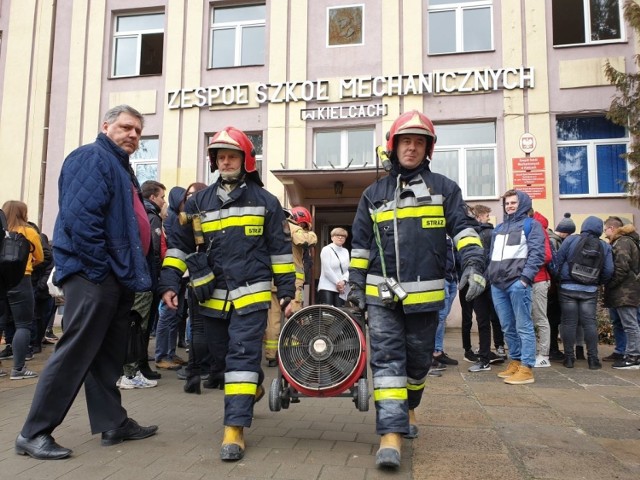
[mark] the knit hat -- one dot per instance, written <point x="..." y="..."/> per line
<point x="566" y="225"/>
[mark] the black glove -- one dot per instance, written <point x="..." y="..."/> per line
<point x="357" y="297"/>
<point x="284" y="301"/>
<point x="201" y="277"/>
<point x="475" y="280"/>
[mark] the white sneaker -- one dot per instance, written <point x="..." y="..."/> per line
<point x="144" y="381"/>
<point x="126" y="383"/>
<point x="542" y="361"/>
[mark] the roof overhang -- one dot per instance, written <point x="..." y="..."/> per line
<point x="301" y="185"/>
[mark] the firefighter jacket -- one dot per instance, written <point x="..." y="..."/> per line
<point x="400" y="231"/>
<point x="303" y="240"/>
<point x="247" y="244"/>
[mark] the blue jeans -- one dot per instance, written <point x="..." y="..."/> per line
<point x="513" y="306"/>
<point x="618" y="332"/>
<point x="578" y="308"/>
<point x="166" y="332"/>
<point x="629" y="320"/>
<point x="450" y="291"/>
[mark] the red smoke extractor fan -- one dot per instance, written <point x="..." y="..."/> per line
<point x="321" y="353"/>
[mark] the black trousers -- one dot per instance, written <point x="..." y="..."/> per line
<point x="91" y="351"/>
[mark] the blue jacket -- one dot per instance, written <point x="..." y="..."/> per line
<point x="96" y="231"/>
<point x="514" y="254"/>
<point x="176" y="194"/>
<point x="591" y="226"/>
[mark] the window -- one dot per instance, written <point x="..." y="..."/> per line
<point x="237" y="36"/>
<point x="460" y="26"/>
<point x="590" y="158"/>
<point x="344" y="148"/>
<point x="144" y="161"/>
<point x="586" y="21"/>
<point x="138" y="45"/>
<point x="256" y="139"/>
<point x="466" y="153"/>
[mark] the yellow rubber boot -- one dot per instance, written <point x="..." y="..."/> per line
<point x="232" y="444"/>
<point x="389" y="452"/>
<point x="413" y="425"/>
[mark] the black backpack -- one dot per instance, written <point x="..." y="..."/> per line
<point x="587" y="260"/>
<point x="14" y="255"/>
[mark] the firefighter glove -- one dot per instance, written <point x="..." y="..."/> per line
<point x="474" y="280"/>
<point x="201" y="277"/>
<point x="357" y="297"/>
<point x="284" y="301"/>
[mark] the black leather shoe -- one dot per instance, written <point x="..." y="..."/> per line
<point x="568" y="361"/>
<point x="129" y="431"/>
<point x="42" y="447"/>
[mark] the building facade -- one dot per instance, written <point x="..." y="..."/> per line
<point x="515" y="88"/>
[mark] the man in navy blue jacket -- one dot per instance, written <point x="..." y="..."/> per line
<point x="517" y="253"/>
<point x="102" y="236"/>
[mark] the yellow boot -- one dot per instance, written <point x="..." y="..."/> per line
<point x="232" y="444"/>
<point x="511" y="369"/>
<point x="523" y="376"/>
<point x="389" y="452"/>
<point x="413" y="425"/>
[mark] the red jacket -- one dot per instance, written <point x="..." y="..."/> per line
<point x="543" y="273"/>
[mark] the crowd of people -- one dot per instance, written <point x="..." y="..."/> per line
<point x="218" y="268"/>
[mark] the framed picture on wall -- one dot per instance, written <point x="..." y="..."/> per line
<point x="345" y="25"/>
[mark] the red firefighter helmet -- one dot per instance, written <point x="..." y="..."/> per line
<point x="412" y="122"/>
<point x="301" y="215"/>
<point x="233" y="139"/>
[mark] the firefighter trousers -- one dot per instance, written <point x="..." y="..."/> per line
<point x="242" y="336"/>
<point x="401" y="347"/>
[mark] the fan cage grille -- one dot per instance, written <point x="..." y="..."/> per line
<point x="320" y="348"/>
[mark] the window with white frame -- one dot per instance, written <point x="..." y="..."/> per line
<point x="144" y="161"/>
<point x="256" y="139"/>
<point x="460" y="26"/>
<point x="138" y="45"/>
<point x="590" y="151"/>
<point x="577" y="22"/>
<point x="237" y="36"/>
<point x="466" y="153"/>
<point x="344" y="148"/>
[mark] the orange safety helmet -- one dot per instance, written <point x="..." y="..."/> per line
<point x="233" y="139"/>
<point x="412" y="122"/>
<point x="301" y="215"/>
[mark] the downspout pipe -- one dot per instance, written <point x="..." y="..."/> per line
<point x="47" y="114"/>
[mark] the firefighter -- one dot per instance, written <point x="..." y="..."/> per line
<point x="235" y="243"/>
<point x="303" y="239"/>
<point x="397" y="272"/>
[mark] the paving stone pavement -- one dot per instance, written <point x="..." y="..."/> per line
<point x="570" y="424"/>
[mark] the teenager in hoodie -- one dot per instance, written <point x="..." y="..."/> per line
<point x="516" y="257"/>
<point x="578" y="301"/>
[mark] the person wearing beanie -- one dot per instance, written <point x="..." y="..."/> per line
<point x="566" y="226"/>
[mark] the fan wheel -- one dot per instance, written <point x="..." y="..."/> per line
<point x="321" y="350"/>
